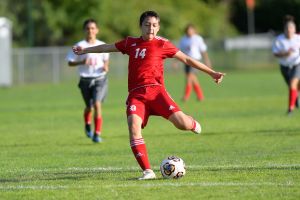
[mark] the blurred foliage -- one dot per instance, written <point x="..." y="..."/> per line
<point x="56" y="22"/>
<point x="268" y="14"/>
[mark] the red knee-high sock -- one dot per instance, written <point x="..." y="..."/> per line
<point x="98" y="125"/>
<point x="87" y="117"/>
<point x="198" y="91"/>
<point x="292" y="98"/>
<point x="187" y="91"/>
<point x="139" y="150"/>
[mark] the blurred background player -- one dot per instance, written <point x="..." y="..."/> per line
<point x="194" y="46"/>
<point x="92" y="69"/>
<point x="147" y="94"/>
<point x="287" y="48"/>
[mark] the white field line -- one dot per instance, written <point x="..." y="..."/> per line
<point x="127" y="168"/>
<point x="150" y="185"/>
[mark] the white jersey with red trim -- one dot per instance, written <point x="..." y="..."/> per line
<point x="193" y="46"/>
<point x="94" y="66"/>
<point x="284" y="44"/>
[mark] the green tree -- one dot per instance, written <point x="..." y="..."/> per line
<point x="56" y="22"/>
<point x="268" y="14"/>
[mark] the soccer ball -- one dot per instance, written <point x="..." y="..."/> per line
<point x="172" y="167"/>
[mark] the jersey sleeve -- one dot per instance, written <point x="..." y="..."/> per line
<point x="71" y="57"/>
<point x="201" y="44"/>
<point x="169" y="49"/>
<point x="122" y="46"/>
<point x="276" y="46"/>
<point x="105" y="56"/>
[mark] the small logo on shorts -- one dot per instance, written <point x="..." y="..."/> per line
<point x="132" y="108"/>
<point x="133" y="45"/>
<point x="171" y="107"/>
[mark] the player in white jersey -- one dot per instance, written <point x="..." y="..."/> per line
<point x="92" y="69"/>
<point x="287" y="48"/>
<point x="194" y="46"/>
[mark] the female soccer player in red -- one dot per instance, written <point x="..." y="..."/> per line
<point x="147" y="93"/>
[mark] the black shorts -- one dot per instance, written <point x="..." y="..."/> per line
<point x="188" y="69"/>
<point x="289" y="73"/>
<point x="93" y="89"/>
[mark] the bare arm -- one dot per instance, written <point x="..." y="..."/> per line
<point x="103" y="48"/>
<point x="283" y="54"/>
<point x="217" y="76"/>
<point x="206" y="59"/>
<point x="75" y="63"/>
<point x="106" y="65"/>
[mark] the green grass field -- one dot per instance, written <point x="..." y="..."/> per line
<point x="249" y="148"/>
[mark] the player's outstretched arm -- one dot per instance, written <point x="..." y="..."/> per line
<point x="283" y="54"/>
<point x="217" y="76"/>
<point x="75" y="63"/>
<point x="103" y="48"/>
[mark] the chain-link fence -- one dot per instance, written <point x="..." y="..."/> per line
<point x="48" y="64"/>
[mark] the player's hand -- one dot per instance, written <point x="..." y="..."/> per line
<point x="218" y="76"/>
<point x="78" y="50"/>
<point x="287" y="53"/>
<point x="290" y="51"/>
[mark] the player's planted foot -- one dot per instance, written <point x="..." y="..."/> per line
<point x="147" y="175"/>
<point x="290" y="112"/>
<point x="96" y="138"/>
<point x="184" y="99"/>
<point x="88" y="131"/>
<point x="197" y="129"/>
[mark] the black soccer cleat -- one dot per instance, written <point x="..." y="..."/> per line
<point x="96" y="138"/>
<point x="88" y="131"/>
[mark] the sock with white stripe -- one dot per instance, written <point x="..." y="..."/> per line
<point x="139" y="150"/>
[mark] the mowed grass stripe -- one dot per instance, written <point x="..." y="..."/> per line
<point x="149" y="185"/>
<point x="191" y="167"/>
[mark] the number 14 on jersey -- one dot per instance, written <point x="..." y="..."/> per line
<point x="139" y="53"/>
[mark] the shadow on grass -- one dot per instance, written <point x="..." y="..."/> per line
<point x="68" y="175"/>
<point x="271" y="132"/>
<point x="143" y="181"/>
<point x="21" y="145"/>
<point x="249" y="168"/>
<point x="52" y="177"/>
<point x="115" y="174"/>
<point x="53" y="144"/>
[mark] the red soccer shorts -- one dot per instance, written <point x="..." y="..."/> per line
<point x="150" y="100"/>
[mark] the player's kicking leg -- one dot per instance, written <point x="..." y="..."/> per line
<point x="138" y="146"/>
<point x="185" y="122"/>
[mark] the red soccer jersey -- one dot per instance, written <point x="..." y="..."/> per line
<point x="146" y="59"/>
